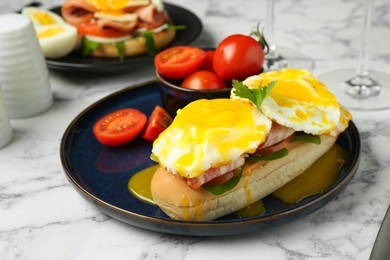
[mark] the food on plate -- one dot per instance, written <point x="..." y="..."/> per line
<point x="158" y="121"/>
<point x="119" y="28"/>
<point x="119" y="127"/>
<point x="203" y="79"/>
<point x="219" y="156"/>
<point x="179" y="61"/>
<point x="56" y="37"/>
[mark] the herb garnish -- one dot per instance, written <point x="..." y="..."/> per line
<point x="256" y="95"/>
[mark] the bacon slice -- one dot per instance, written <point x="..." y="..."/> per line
<point x="277" y="134"/>
<point x="149" y="17"/>
<point x="116" y="25"/>
<point x="77" y="11"/>
<point x="213" y="173"/>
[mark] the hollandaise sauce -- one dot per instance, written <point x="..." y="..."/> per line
<point x="139" y="184"/>
<point x="320" y="176"/>
<point x="253" y="210"/>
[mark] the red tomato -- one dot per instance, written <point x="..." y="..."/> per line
<point x="238" y="57"/>
<point x="158" y="121"/>
<point x="94" y="30"/>
<point x="119" y="127"/>
<point x="208" y="62"/>
<point x="203" y="79"/>
<point x="179" y="62"/>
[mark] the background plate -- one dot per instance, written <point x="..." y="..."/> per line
<point x="76" y="62"/>
<point x="101" y="173"/>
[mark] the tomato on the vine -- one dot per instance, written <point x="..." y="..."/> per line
<point x="203" y="80"/>
<point x="179" y="62"/>
<point x="119" y="127"/>
<point x="238" y="57"/>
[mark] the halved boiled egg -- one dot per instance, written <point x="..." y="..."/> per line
<point x="42" y="17"/>
<point x="210" y="133"/>
<point x="57" y="40"/>
<point x="298" y="101"/>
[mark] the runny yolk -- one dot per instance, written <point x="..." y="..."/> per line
<point x="318" y="177"/>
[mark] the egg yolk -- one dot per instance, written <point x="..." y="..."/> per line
<point x="210" y="133"/>
<point x="51" y="31"/>
<point x="112" y="7"/>
<point x="298" y="85"/>
<point x="44" y="18"/>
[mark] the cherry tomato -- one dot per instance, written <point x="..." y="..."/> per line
<point x="208" y="62"/>
<point x="158" y="121"/>
<point x="179" y="62"/>
<point x="119" y="127"/>
<point x="238" y="57"/>
<point x="203" y="79"/>
<point x="94" y="30"/>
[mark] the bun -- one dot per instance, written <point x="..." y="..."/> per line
<point x="134" y="46"/>
<point x="258" y="180"/>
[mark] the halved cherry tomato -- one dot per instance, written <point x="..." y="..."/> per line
<point x="157" y="122"/>
<point x="179" y="62"/>
<point x="203" y="79"/>
<point x="238" y="57"/>
<point x="208" y="62"/>
<point x="94" y="30"/>
<point x="119" y="127"/>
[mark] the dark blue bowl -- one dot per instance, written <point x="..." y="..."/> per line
<point x="174" y="97"/>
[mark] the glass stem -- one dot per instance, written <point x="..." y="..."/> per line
<point x="362" y="69"/>
<point x="270" y="28"/>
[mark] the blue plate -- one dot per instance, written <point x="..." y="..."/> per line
<point x="75" y="62"/>
<point x="101" y="173"/>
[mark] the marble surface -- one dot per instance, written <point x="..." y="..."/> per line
<point x="43" y="217"/>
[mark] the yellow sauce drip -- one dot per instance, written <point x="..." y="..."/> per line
<point x="248" y="191"/>
<point x="320" y="176"/>
<point x="253" y="210"/>
<point x="139" y="184"/>
<point x="184" y="204"/>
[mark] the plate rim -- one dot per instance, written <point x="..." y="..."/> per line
<point x="341" y="184"/>
<point x="60" y="66"/>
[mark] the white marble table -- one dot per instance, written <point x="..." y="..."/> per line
<point x="43" y="217"/>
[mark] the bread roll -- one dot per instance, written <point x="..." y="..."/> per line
<point x="258" y="180"/>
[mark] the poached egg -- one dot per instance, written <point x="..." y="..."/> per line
<point x="298" y="100"/>
<point x="210" y="133"/>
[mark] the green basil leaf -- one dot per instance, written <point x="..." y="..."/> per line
<point x="89" y="46"/>
<point x="224" y="187"/>
<point x="268" y="157"/>
<point x="307" y="138"/>
<point x="176" y="27"/>
<point x="149" y="43"/>
<point x="256" y="95"/>
<point x="121" y="50"/>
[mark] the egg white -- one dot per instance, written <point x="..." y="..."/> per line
<point x="57" y="44"/>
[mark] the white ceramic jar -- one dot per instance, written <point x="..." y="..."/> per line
<point x="24" y="76"/>
<point x="5" y="126"/>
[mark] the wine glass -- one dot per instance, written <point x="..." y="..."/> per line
<point x="279" y="57"/>
<point x="360" y="88"/>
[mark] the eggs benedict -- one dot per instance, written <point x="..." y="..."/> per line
<point x="119" y="28"/>
<point x="219" y="156"/>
